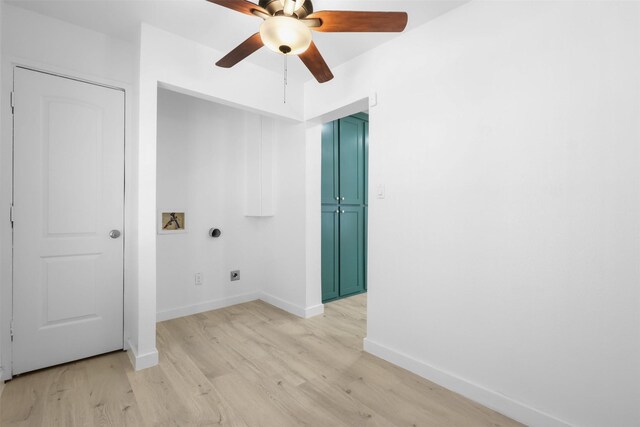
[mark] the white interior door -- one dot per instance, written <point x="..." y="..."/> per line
<point x="68" y="197"/>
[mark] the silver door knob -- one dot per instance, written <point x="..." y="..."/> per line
<point x="342" y="198"/>
<point x="337" y="198"/>
<point x="342" y="212"/>
<point x="114" y="234"/>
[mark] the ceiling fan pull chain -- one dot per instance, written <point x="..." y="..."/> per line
<point x="285" y="78"/>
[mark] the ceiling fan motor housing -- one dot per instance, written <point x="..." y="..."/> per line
<point x="275" y="7"/>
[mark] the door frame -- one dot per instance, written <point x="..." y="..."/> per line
<point x="314" y="197"/>
<point x="7" y="150"/>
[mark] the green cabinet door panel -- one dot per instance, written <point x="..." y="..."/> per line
<point x="330" y="189"/>
<point x="330" y="262"/>
<point x="351" y="246"/>
<point x="351" y="159"/>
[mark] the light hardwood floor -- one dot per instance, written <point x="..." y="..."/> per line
<point x="247" y="365"/>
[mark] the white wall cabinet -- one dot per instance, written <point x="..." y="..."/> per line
<point x="259" y="139"/>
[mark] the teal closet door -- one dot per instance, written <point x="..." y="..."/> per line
<point x="330" y="261"/>
<point x="351" y="159"/>
<point x="344" y="206"/>
<point x="330" y="191"/>
<point x="351" y="244"/>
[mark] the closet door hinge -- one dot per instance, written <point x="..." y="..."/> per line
<point x="11" y="215"/>
<point x="13" y="101"/>
<point x="11" y="329"/>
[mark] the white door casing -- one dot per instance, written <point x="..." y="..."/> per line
<point x="68" y="196"/>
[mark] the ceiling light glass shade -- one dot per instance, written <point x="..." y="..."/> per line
<point x="285" y="35"/>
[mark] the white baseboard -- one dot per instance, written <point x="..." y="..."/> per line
<point x="141" y="361"/>
<point x="188" y="310"/>
<point x="314" y="310"/>
<point x="489" y="398"/>
<point x="304" y="312"/>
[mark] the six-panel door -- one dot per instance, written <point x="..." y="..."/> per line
<point x="68" y="197"/>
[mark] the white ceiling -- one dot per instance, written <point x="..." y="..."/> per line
<point x="223" y="29"/>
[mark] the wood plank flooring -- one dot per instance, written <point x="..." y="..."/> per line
<point x="247" y="365"/>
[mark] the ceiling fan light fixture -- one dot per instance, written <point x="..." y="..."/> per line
<point x="285" y="35"/>
<point x="287" y="24"/>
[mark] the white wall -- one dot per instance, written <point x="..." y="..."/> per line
<point x="201" y="169"/>
<point x="2" y="229"/>
<point x="503" y="262"/>
<point x="44" y="43"/>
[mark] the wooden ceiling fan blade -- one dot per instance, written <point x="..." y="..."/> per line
<point x="316" y="64"/>
<point x="245" y="49"/>
<point x="336" y="21"/>
<point x="243" y="6"/>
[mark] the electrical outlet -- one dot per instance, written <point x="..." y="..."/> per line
<point x="235" y="275"/>
<point x="198" y="279"/>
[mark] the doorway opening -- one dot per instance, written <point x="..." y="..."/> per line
<point x="344" y="204"/>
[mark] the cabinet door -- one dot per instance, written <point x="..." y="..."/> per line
<point x="330" y="250"/>
<point x="351" y="250"/>
<point x="330" y="163"/>
<point x="351" y="154"/>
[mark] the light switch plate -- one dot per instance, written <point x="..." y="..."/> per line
<point x="380" y="191"/>
<point x="198" y="279"/>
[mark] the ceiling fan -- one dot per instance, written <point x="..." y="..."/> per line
<point x="287" y="24"/>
